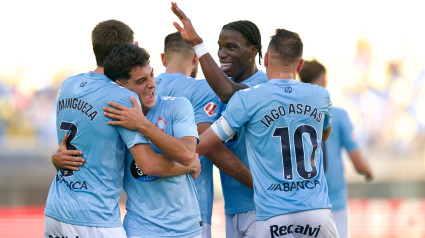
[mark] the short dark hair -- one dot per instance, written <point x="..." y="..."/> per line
<point x="287" y="45"/>
<point x="108" y="34"/>
<point x="124" y="58"/>
<point x="311" y="71"/>
<point x="174" y="43"/>
<point x="250" y="31"/>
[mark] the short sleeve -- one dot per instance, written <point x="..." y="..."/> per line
<point x="184" y="119"/>
<point x="236" y="113"/>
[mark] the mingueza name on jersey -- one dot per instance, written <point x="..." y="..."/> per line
<point x="72" y="185"/>
<point x="292" y="109"/>
<point x="77" y="104"/>
<point x="278" y="231"/>
<point x="289" y="187"/>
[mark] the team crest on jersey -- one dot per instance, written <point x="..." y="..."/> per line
<point x="139" y="175"/>
<point x="210" y="109"/>
<point x="161" y="123"/>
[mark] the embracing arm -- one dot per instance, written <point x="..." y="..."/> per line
<point x="181" y="150"/>
<point x="156" y="164"/>
<point x="226" y="161"/>
<point x="222" y="85"/>
<point x="67" y="159"/>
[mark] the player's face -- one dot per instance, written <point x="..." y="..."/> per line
<point x="234" y="55"/>
<point x="142" y="82"/>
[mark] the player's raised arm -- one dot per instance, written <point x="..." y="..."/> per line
<point x="222" y="85"/>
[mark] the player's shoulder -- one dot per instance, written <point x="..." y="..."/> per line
<point x="173" y="100"/>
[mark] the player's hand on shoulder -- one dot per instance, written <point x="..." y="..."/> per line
<point x="125" y="116"/>
<point x="195" y="167"/>
<point x="67" y="159"/>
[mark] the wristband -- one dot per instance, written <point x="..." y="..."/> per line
<point x="200" y="50"/>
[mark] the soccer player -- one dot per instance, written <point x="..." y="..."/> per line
<point x="181" y="66"/>
<point x="342" y="136"/>
<point x="84" y="203"/>
<point x="155" y="205"/>
<point x="284" y="121"/>
<point x="239" y="43"/>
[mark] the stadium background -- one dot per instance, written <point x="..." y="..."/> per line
<point x="374" y="52"/>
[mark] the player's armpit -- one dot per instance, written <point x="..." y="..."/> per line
<point x="326" y="133"/>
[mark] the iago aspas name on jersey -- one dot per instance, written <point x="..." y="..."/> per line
<point x="77" y="104"/>
<point x="292" y="109"/>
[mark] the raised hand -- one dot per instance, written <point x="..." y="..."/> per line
<point x="66" y="159"/>
<point x="125" y="116"/>
<point x="188" y="31"/>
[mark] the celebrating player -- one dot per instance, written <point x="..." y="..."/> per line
<point x="84" y="203"/>
<point x="181" y="65"/>
<point x="239" y="43"/>
<point x="284" y="121"/>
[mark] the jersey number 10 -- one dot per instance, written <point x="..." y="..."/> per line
<point x="283" y="133"/>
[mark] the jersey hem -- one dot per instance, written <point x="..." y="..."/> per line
<point x="83" y="223"/>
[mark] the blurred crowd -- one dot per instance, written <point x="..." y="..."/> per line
<point x="391" y="117"/>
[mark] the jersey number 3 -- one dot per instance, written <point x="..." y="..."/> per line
<point x="72" y="128"/>
<point x="283" y="133"/>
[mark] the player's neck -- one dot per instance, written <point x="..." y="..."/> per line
<point x="179" y="66"/>
<point x="245" y="75"/>
<point x="281" y="75"/>
<point x="99" y="70"/>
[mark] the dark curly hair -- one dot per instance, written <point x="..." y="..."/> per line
<point x="122" y="59"/>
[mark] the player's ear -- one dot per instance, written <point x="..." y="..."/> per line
<point x="253" y="51"/>
<point x="164" y="62"/>
<point x="195" y="59"/>
<point x="136" y="43"/>
<point x="300" y="65"/>
<point x="266" y="60"/>
<point x="119" y="83"/>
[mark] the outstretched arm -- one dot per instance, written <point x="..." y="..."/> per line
<point x="180" y="149"/>
<point x="222" y="85"/>
<point x="227" y="162"/>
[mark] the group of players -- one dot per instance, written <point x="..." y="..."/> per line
<point x="122" y="128"/>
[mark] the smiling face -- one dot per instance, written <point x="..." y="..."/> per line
<point x="236" y="57"/>
<point x="142" y="82"/>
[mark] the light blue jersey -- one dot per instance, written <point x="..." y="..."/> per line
<point x="167" y="206"/>
<point x="207" y="110"/>
<point x="89" y="197"/>
<point x="237" y="197"/>
<point x="283" y="122"/>
<point x="342" y="136"/>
